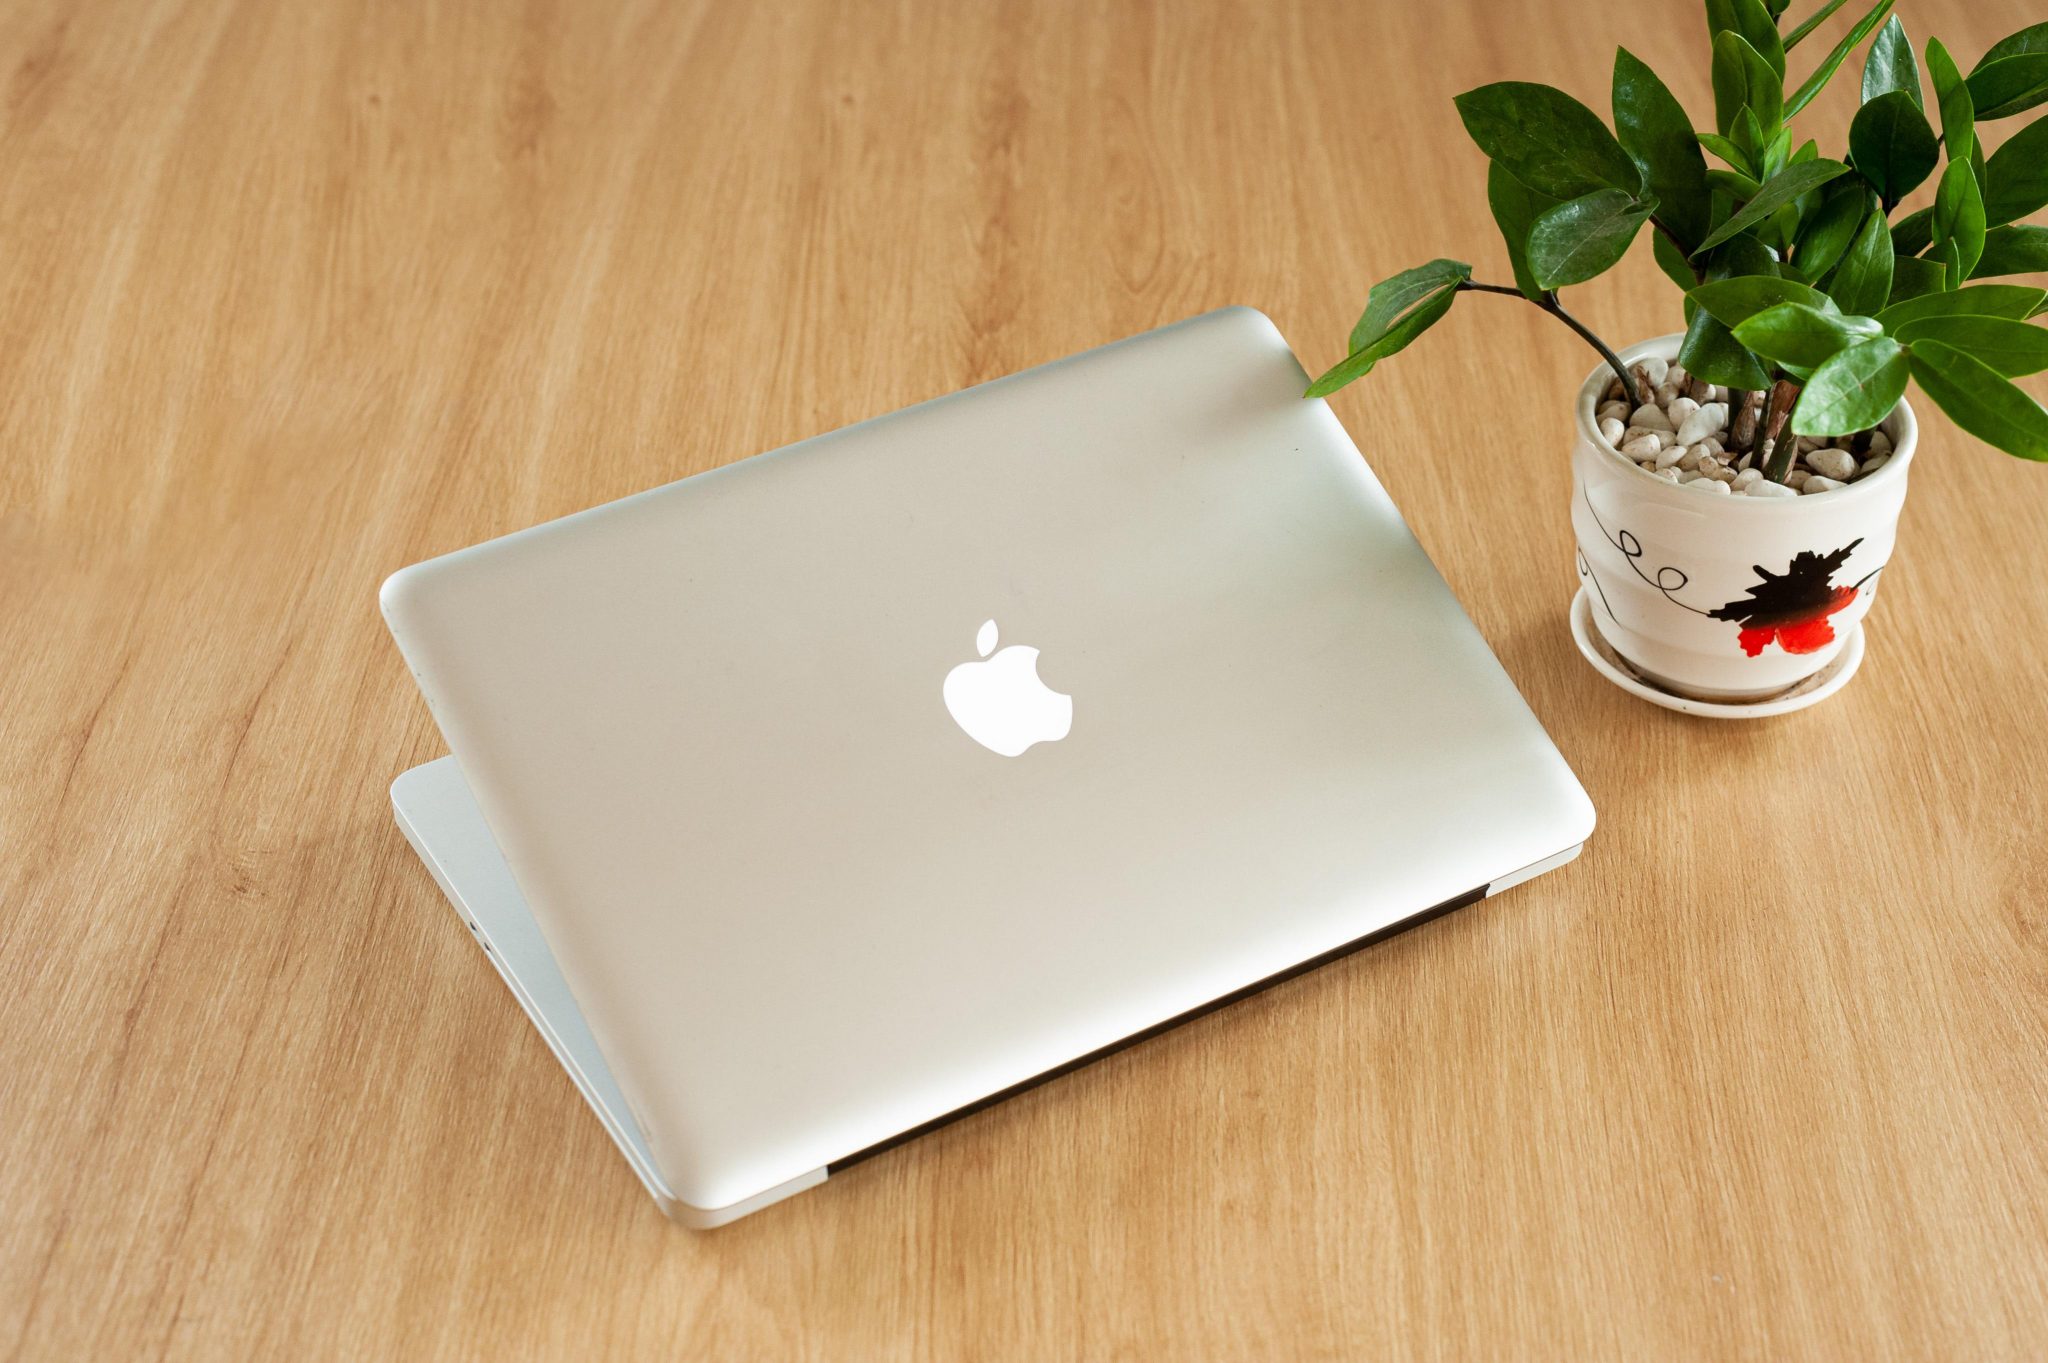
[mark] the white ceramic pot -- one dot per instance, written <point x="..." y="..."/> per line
<point x="1721" y="597"/>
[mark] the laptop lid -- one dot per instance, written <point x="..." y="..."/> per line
<point x="856" y="782"/>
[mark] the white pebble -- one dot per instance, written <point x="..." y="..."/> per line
<point x="1717" y="392"/>
<point x="1678" y="409"/>
<point x="1665" y="393"/>
<point x="1692" y="477"/>
<point x="1652" y="416"/>
<point x="1676" y="376"/>
<point x="1616" y="410"/>
<point x="1880" y="443"/>
<point x="1819" y="484"/>
<point x="1747" y="479"/>
<point x="1648" y="443"/>
<point x="1797" y="478"/>
<point x="1711" y="419"/>
<point x="1873" y="464"/>
<point x="1611" y="431"/>
<point x="1670" y="455"/>
<point x="1720" y="473"/>
<point x="1668" y="475"/>
<point x="1656" y="369"/>
<point x="1708" y="485"/>
<point x="1764" y="487"/>
<point x="1839" y="465"/>
<point x="1691" y="458"/>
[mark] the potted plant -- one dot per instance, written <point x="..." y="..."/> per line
<point x="1737" y="486"/>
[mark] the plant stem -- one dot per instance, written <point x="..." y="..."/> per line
<point x="1550" y="305"/>
<point x="1779" y="467"/>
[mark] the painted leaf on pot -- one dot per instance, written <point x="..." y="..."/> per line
<point x="1792" y="608"/>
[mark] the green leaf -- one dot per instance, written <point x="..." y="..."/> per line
<point x="2012" y="348"/>
<point x="1672" y="261"/>
<point x="1958" y="220"/>
<point x="1812" y="85"/>
<point x="1575" y="241"/>
<point x="2020" y="249"/>
<point x="1755" y="25"/>
<point x="1828" y="230"/>
<point x="1781" y="189"/>
<point x="1892" y="146"/>
<point x="2015" y="302"/>
<point x="1952" y="97"/>
<point x="1810" y="23"/>
<point x="1744" y="80"/>
<point x="1395" y="338"/>
<point x="2016" y="176"/>
<point x="1515" y="210"/>
<point x="1776" y="8"/>
<point x="1914" y="278"/>
<point x="1727" y="150"/>
<point x="2003" y="94"/>
<point x="2009" y="86"/>
<point x="1711" y="352"/>
<point x="1980" y="400"/>
<point x="1889" y="65"/>
<point x="1863" y="281"/>
<point x="1733" y="301"/>
<point x="1914" y="233"/>
<point x="1392" y="297"/>
<point x="1653" y="128"/>
<point x="1854" y="390"/>
<point x="1802" y="338"/>
<point x="2031" y="39"/>
<point x="1547" y="140"/>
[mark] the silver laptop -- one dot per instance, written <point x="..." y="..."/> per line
<point x="812" y="802"/>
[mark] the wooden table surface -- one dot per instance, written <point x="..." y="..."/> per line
<point x="297" y="294"/>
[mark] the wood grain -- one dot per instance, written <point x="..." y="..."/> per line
<point x="296" y="294"/>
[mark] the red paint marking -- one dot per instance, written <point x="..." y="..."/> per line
<point x="1809" y="634"/>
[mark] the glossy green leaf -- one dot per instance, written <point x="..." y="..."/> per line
<point x="1862" y="283"/>
<point x="1584" y="237"/>
<point x="1391" y="298"/>
<point x="2005" y="92"/>
<point x="1826" y="233"/>
<point x="2016" y="175"/>
<point x="2012" y="348"/>
<point x="1981" y="400"/>
<point x="1672" y="260"/>
<point x="1734" y="301"/>
<point x="1958" y="220"/>
<point x="2016" y="302"/>
<point x="1711" y="352"/>
<point x="2018" y="249"/>
<point x="1914" y="233"/>
<point x="1781" y="189"/>
<point x="1813" y="84"/>
<point x="1776" y="8"/>
<point x="1892" y="146"/>
<point x="1854" y="390"/>
<point x="2033" y="38"/>
<point x="1751" y="20"/>
<point x="1396" y="337"/>
<point x="1889" y="65"/>
<point x="2010" y="86"/>
<point x="1515" y="210"/>
<point x="1952" y="97"/>
<point x="1801" y="337"/>
<point x="1547" y="140"/>
<point x="1727" y="150"/>
<point x="1810" y="23"/>
<point x="1654" y="130"/>
<point x="1744" y="80"/>
<point x="1914" y="278"/>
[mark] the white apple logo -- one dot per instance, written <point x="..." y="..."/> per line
<point x="1001" y="703"/>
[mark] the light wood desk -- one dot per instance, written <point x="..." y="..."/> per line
<point x="298" y="293"/>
